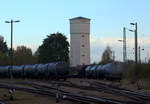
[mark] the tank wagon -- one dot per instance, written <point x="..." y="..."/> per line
<point x="54" y="70"/>
<point x="112" y="70"/>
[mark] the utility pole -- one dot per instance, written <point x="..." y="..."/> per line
<point x="139" y="54"/>
<point x="136" y="43"/>
<point x="145" y="60"/>
<point x="124" y="45"/>
<point x="113" y="53"/>
<point x="136" y="40"/>
<point x="11" y="49"/>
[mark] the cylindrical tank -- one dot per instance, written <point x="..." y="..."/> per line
<point x="4" y="71"/>
<point x="100" y="71"/>
<point x="40" y="71"/>
<point x="28" y="71"/>
<point x="87" y="71"/>
<point x="93" y="71"/>
<point x="58" y="70"/>
<point x="35" y="70"/>
<point x="17" y="71"/>
<point x="113" y="70"/>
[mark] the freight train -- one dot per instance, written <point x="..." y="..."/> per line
<point x="59" y="70"/>
<point x="54" y="70"/>
<point x="113" y="70"/>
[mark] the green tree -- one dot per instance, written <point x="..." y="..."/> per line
<point x="23" y="55"/>
<point x="3" y="45"/>
<point x="54" y="48"/>
<point x="4" y="59"/>
<point x="106" y="56"/>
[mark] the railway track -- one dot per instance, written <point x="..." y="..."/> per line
<point x="2" y="102"/>
<point x="102" y="87"/>
<point x="52" y="89"/>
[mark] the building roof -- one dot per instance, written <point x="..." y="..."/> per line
<point x="76" y="18"/>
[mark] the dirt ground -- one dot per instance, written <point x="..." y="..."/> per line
<point x="21" y="97"/>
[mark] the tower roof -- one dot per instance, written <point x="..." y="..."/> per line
<point x="76" y="18"/>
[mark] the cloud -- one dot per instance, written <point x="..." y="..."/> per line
<point x="98" y="45"/>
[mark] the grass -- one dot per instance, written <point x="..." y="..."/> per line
<point x="137" y="74"/>
<point x="145" y="83"/>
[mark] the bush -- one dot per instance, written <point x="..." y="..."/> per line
<point x="136" y="72"/>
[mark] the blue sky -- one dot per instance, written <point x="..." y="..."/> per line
<point x="42" y="17"/>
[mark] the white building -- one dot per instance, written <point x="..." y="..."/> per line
<point x="80" y="41"/>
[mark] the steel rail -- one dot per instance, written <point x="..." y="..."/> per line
<point x="48" y="87"/>
<point x="84" y="99"/>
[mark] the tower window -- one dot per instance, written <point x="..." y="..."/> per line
<point x="83" y="45"/>
<point x="83" y="55"/>
<point x="82" y="35"/>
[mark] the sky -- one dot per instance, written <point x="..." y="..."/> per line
<point x="40" y="18"/>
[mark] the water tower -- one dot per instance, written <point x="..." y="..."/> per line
<point x="79" y="41"/>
